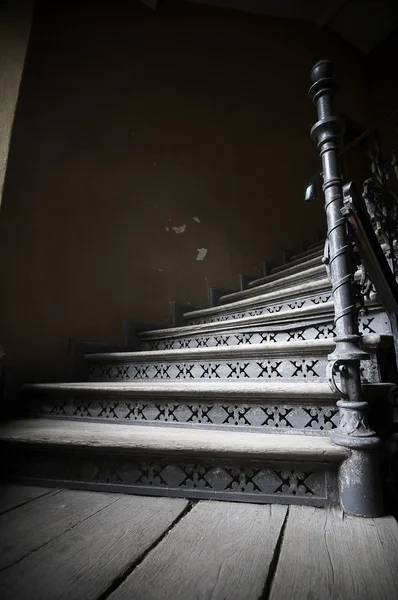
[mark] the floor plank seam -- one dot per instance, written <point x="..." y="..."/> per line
<point x="266" y="593"/>
<point x="45" y="495"/>
<point x="140" y="559"/>
<point x="57" y="536"/>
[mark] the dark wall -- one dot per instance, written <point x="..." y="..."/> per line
<point x="132" y="122"/>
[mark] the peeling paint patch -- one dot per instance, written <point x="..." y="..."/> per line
<point x="160" y="270"/>
<point x="201" y="253"/>
<point x="180" y="229"/>
<point x="167" y="228"/>
<point x="196" y="219"/>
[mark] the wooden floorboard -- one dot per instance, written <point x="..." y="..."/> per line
<point x="83" y="563"/>
<point x="12" y="496"/>
<point x="98" y="546"/>
<point x="28" y="527"/>
<point x="221" y="551"/>
<point x="326" y="555"/>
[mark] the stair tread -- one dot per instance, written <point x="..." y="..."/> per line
<point x="284" y="271"/>
<point x="287" y="316"/>
<point x="276" y="280"/>
<point x="189" y="387"/>
<point x="243" y="350"/>
<point x="297" y="261"/>
<point x="291" y="291"/>
<point x="173" y="440"/>
<point x="175" y="388"/>
<point x="317" y="246"/>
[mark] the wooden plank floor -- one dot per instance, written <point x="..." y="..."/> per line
<point x="88" y="545"/>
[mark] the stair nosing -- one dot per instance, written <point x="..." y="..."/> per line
<point x="289" y="315"/>
<point x="265" y="389"/>
<point x="301" y="348"/>
<point x="318" y="246"/>
<point x="278" y="281"/>
<point x="236" y="351"/>
<point x="284" y="271"/>
<point x="261" y="389"/>
<point x="289" y="293"/>
<point x="299" y="261"/>
<point x="172" y="440"/>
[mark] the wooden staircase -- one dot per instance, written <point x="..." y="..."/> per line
<point x="234" y="405"/>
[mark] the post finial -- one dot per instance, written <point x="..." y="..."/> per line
<point x="322" y="81"/>
<point x="322" y="69"/>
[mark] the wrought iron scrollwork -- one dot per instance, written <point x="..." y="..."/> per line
<point x="382" y="202"/>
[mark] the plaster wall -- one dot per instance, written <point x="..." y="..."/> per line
<point x="15" y="24"/>
<point x="142" y="137"/>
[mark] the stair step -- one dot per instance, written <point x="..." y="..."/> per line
<point x="317" y="254"/>
<point x="170" y="440"/>
<point x="316" y="247"/>
<point x="307" y="323"/>
<point x="292" y="296"/>
<point x="295" y="359"/>
<point x="250" y="330"/>
<point x="285" y="271"/>
<point x="290" y="319"/>
<point x="320" y="243"/>
<point x="193" y="463"/>
<point x="275" y="282"/>
<point x="271" y="406"/>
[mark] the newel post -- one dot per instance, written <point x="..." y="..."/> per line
<point x="359" y="478"/>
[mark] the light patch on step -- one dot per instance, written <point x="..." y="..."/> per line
<point x="201" y="253"/>
<point x="196" y="219"/>
<point x="180" y="229"/>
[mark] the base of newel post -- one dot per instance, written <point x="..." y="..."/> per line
<point x="360" y="484"/>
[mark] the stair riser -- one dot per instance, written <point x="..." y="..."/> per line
<point x="309" y="415"/>
<point x="287" y="367"/>
<point x="374" y="323"/>
<point x="236" y="480"/>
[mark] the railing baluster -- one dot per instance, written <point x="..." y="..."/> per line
<point x="360" y="488"/>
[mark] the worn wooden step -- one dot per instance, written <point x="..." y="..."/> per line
<point x="278" y="281"/>
<point x="295" y="359"/>
<point x="282" y="279"/>
<point x="311" y="293"/>
<point x="189" y="463"/>
<point x="269" y="406"/>
<point x="229" y="332"/>
<point x="307" y="323"/>
<point x="299" y="261"/>
<point x="316" y="246"/>
<point x="283" y="271"/>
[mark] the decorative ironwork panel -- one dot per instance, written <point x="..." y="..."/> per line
<point x="297" y="367"/>
<point x="270" y="309"/>
<point x="300" y="367"/>
<point x="258" y="413"/>
<point x="230" y="480"/>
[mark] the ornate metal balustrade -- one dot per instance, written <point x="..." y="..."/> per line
<point x="361" y="232"/>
